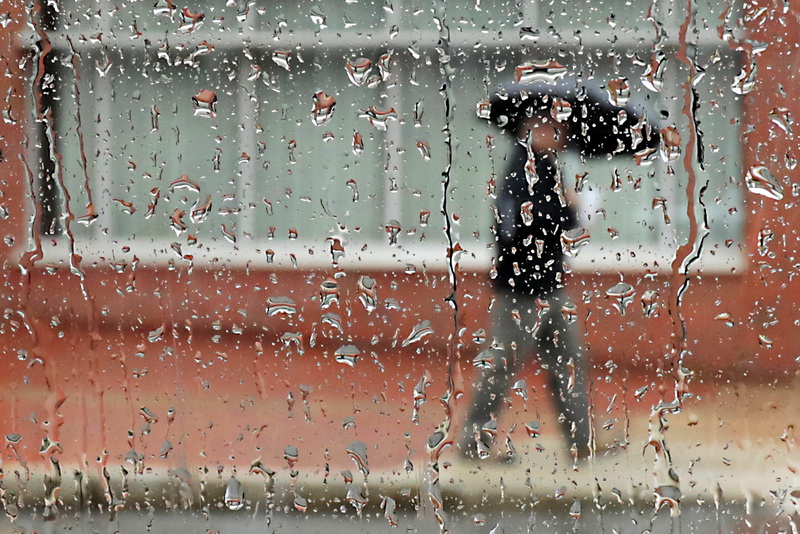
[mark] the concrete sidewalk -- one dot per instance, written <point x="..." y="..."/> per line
<point x="730" y="443"/>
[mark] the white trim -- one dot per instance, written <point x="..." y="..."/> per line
<point x="378" y="256"/>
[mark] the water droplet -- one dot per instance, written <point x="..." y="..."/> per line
<point x="570" y="312"/>
<point x="424" y="150"/>
<point x="367" y="293"/>
<point x="726" y="318"/>
<point x="347" y="354"/>
<point x="520" y="387"/>
<point x="435" y="495"/>
<point x="329" y="293"/>
<point x="746" y="80"/>
<point x="291" y="454"/>
<point x="573" y="239"/>
<point x="49" y="446"/>
<point x="526" y="210"/>
<point x="355" y="496"/>
<point x="300" y="503"/>
<point x="653" y="77"/>
<point x="528" y="33"/>
<point x="190" y="22"/>
<point x="419" y="395"/>
<point x="374" y="80"/>
<point x="89" y="217"/>
<point x="670" y="144"/>
<point x="479" y="336"/>
<point x="347" y="476"/>
<point x="668" y="496"/>
<point x="318" y="17"/>
<point x="484" y="360"/>
<point x="561" y="109"/>
<point x="134" y="458"/>
<point x="293" y="338"/>
<point x="166" y="448"/>
<point x="154" y="115"/>
<point x="200" y="211"/>
<point x="205" y="104"/>
<point x="229" y="233"/>
<point x="489" y="430"/>
<point x="546" y="71"/>
<point x="661" y="203"/>
<point x="533" y="428"/>
<point x="202" y="49"/>
<point x="358" y="70"/>
<point x="622" y="294"/>
<point x="649" y="303"/>
<point x="393" y="229"/>
<point x="323" y="108"/>
<point x="418" y="332"/>
<point x="619" y="92"/>
<point x="424" y="216"/>
<point x="281" y="305"/>
<point x="281" y="58"/>
<point x="378" y="117"/>
<point x="358" y="453"/>
<point x="575" y="510"/>
<point x="184" y="183"/>
<point x="234" y="495"/>
<point x="148" y="415"/>
<point x="156" y="335"/>
<point x="761" y="181"/>
<point x="336" y="249"/>
<point x="164" y="7"/>
<point x="484" y="109"/>
<point x="358" y="144"/>
<point x="778" y="116"/>
<point x="389" y="507"/>
<point x="155" y="194"/>
<point x="384" y="66"/>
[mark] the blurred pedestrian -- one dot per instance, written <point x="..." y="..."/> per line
<point x="527" y="317"/>
<point x="531" y="313"/>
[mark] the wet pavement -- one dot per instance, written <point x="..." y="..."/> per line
<point x="708" y="518"/>
<point x="732" y="453"/>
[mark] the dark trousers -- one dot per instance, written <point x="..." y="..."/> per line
<point x="523" y="330"/>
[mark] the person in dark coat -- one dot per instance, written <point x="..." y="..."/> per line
<point x="531" y="313"/>
<point x="528" y="312"/>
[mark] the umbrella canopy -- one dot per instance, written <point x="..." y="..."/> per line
<point x="601" y="121"/>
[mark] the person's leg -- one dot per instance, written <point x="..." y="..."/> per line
<point x="512" y="341"/>
<point x="560" y="350"/>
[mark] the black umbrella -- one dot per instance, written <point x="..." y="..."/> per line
<point x="601" y="120"/>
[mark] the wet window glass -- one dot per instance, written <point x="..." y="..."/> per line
<point x="476" y="266"/>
